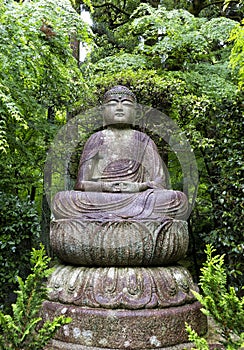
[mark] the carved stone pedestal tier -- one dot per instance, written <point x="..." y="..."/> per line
<point x="119" y="243"/>
<point x="59" y="345"/>
<point x="123" y="307"/>
<point x="125" y="329"/>
<point x="121" y="287"/>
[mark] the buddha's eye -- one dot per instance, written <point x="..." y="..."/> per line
<point x="112" y="103"/>
<point x="127" y="103"/>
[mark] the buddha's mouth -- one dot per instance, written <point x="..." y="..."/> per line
<point x="119" y="115"/>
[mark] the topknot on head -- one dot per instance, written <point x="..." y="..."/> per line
<point x="119" y="91"/>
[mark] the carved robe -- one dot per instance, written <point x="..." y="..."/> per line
<point x="129" y="156"/>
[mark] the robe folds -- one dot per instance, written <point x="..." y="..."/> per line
<point x="123" y="157"/>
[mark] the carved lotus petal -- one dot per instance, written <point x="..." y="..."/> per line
<point x="121" y="243"/>
<point x="121" y="287"/>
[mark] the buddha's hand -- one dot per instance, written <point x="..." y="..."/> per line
<point x="129" y="187"/>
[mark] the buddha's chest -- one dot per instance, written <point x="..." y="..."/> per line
<point x="116" y="146"/>
<point x="116" y="155"/>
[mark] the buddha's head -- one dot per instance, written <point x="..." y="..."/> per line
<point x="119" y="106"/>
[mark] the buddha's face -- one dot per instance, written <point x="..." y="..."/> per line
<point x="119" y="110"/>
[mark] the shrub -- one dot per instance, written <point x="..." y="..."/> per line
<point x="19" y="227"/>
<point x="25" y="330"/>
<point x="220" y="303"/>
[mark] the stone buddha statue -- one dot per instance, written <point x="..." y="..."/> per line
<point x="119" y="236"/>
<point x="121" y="175"/>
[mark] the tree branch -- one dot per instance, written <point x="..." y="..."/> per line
<point x="108" y="4"/>
<point x="202" y="7"/>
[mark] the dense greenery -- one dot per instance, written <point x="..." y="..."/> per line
<point x="220" y="303"/>
<point x="25" y="330"/>
<point x="184" y="58"/>
<point x="19" y="231"/>
<point x="237" y="52"/>
<point x="40" y="79"/>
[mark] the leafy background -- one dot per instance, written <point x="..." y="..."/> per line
<point x="184" y="58"/>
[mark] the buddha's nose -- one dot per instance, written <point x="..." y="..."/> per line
<point x="119" y="106"/>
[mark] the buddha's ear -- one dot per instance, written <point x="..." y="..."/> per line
<point x="101" y="112"/>
<point x="137" y="115"/>
<point x="101" y="108"/>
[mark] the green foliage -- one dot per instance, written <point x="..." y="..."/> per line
<point x="219" y="302"/>
<point x="200" y="343"/>
<point x="37" y="65"/>
<point x="24" y="330"/>
<point x="19" y="230"/>
<point x="237" y="52"/>
<point x="224" y="173"/>
<point x="173" y="39"/>
<point x="117" y="63"/>
<point x="40" y="79"/>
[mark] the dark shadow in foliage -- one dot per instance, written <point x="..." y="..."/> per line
<point x="19" y="230"/>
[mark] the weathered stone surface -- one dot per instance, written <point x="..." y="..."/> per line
<point x="119" y="243"/>
<point x="122" y="288"/>
<point x="121" y="229"/>
<point x="126" y="329"/>
<point x="59" y="345"/>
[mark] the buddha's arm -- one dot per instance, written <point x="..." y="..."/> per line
<point x="155" y="173"/>
<point x="89" y="186"/>
<point x="84" y="176"/>
<point x="156" y="183"/>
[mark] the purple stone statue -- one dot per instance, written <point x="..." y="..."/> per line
<point x="119" y="235"/>
<point x="120" y="174"/>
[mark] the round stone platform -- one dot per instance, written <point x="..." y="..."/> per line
<point x="104" y="329"/>
<point x="59" y="345"/>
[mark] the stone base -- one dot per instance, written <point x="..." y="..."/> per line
<point x="124" y="329"/>
<point x="59" y="345"/>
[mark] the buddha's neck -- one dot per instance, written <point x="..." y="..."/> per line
<point x="119" y="127"/>
<point x="114" y="134"/>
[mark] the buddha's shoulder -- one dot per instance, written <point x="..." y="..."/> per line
<point x="95" y="139"/>
<point x="141" y="136"/>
